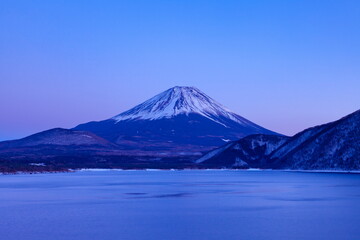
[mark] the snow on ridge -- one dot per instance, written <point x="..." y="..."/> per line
<point x="181" y="100"/>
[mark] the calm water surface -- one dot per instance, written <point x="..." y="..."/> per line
<point x="167" y="205"/>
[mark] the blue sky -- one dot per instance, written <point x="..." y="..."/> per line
<point x="286" y="65"/>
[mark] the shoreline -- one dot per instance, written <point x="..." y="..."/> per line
<point x="217" y="169"/>
<point x="185" y="169"/>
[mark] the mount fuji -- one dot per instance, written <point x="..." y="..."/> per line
<point x="178" y="121"/>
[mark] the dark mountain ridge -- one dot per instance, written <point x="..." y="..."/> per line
<point x="249" y="152"/>
<point x="331" y="146"/>
<point x="335" y="145"/>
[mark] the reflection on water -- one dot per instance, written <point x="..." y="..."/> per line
<point x="164" y="195"/>
<point x="180" y="205"/>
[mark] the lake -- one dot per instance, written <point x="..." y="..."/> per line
<point x="180" y="205"/>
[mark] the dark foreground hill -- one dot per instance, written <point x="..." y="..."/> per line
<point x="335" y="145"/>
<point x="249" y="152"/>
<point x="62" y="149"/>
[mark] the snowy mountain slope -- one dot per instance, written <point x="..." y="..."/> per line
<point x="182" y="100"/>
<point x="250" y="151"/>
<point x="181" y="119"/>
<point x="335" y="145"/>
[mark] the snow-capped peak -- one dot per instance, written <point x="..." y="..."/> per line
<point x="180" y="100"/>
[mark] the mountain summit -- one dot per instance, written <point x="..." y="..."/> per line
<point x="182" y="100"/>
<point x="180" y="120"/>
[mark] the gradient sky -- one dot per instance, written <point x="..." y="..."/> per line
<point x="286" y="65"/>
